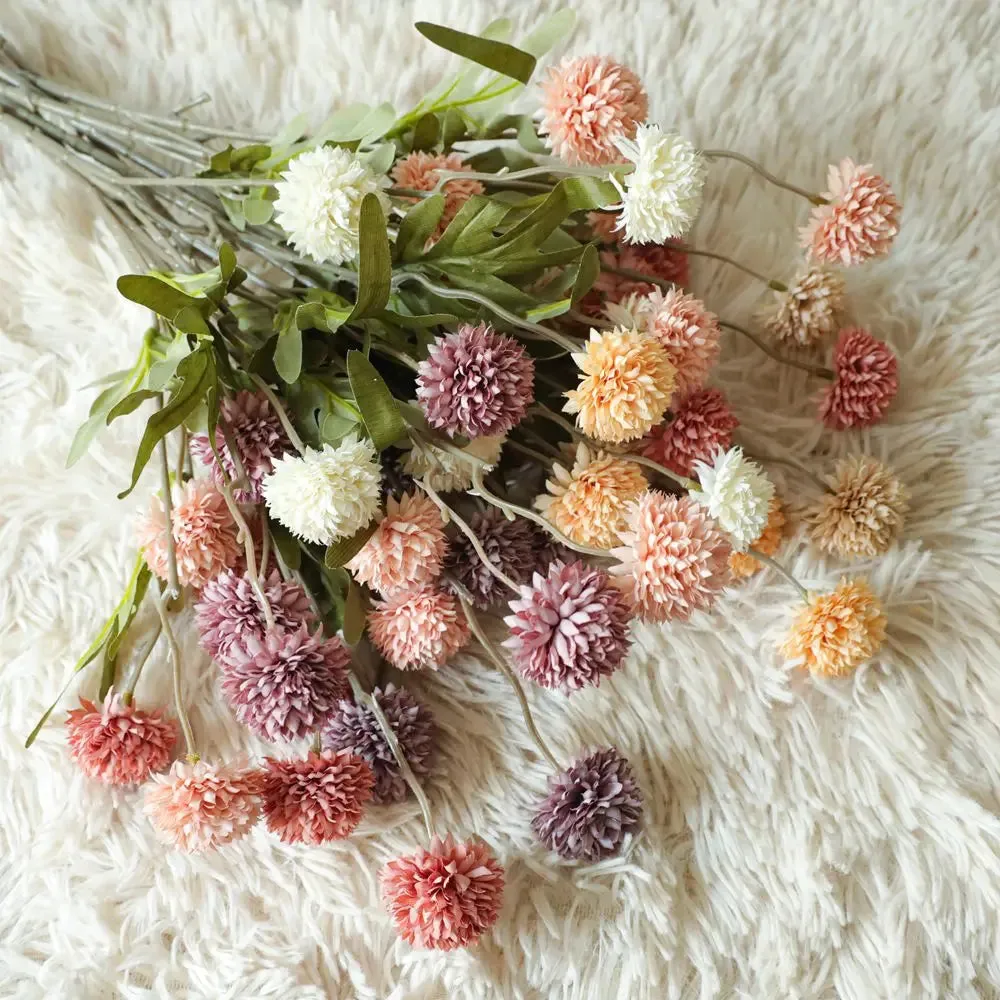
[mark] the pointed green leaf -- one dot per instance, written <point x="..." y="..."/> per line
<point x="497" y="56"/>
<point x="99" y="410"/>
<point x="257" y="211"/>
<point x="374" y="260"/>
<point x="162" y="371"/>
<point x="355" y="613"/>
<point x="383" y="421"/>
<point x="426" y="132"/>
<point x="288" y="352"/>
<point x="552" y="30"/>
<point x="571" y="194"/>
<point x="344" y="550"/>
<point x="586" y="273"/>
<point x="186" y="312"/>
<point x="130" y="404"/>
<point x="417" y="226"/>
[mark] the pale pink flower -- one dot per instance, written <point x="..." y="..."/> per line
<point x="419" y="172"/>
<point x="421" y="629"/>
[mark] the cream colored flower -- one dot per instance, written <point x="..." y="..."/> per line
<point x="737" y="494"/>
<point x="810" y="310"/>
<point x="444" y="471"/>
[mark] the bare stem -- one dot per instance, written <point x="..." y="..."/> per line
<point x="541" y="410"/>
<point x="140" y="662"/>
<point x="175" y="656"/>
<point x="173" y="586"/>
<point x="818" y="370"/>
<point x="781" y="571"/>
<point x="207" y="182"/>
<point x="793" y="463"/>
<point x="265" y="548"/>
<point x="181" y="454"/>
<point x="280" y="410"/>
<point x="778" y="286"/>
<point x="688" y="484"/>
<point x="728" y="154"/>
<point x="629" y="272"/>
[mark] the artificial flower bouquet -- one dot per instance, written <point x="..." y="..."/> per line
<point x="407" y="372"/>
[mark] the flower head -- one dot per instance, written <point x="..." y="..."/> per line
<point x="591" y="808"/>
<point x="319" y="202"/>
<point x="445" y="896"/>
<point x="742" y="564"/>
<point x="625" y="388"/>
<point x="809" y="310"/>
<point x="860" y="221"/>
<point x="863" y="512"/>
<point x="702" y="424"/>
<point x="737" y="494"/>
<point x="444" y="471"/>
<point x="407" y="549"/>
<point x="866" y="381"/>
<point x="316" y="799"/>
<point x="286" y="685"/>
<point x="354" y="727"/>
<point x="662" y="195"/>
<point x="421" y="629"/>
<point x="835" y="633"/>
<point x="321" y="496"/>
<point x="569" y="628"/>
<point x="119" y="744"/>
<point x="475" y="382"/>
<point x="418" y="171"/>
<point x="588" y="503"/>
<point x="200" y="806"/>
<point x="228" y="612"/>
<point x="589" y="102"/>
<point x="673" y="558"/>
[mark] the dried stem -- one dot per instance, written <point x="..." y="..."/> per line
<point x="771" y="353"/>
<point x="688" y="484"/>
<point x="728" y="154"/>
<point x="778" y="286"/>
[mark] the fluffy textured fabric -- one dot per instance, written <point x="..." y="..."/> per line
<point x="819" y="840"/>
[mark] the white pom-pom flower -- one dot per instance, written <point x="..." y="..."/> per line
<point x="321" y="496"/>
<point x="737" y="494"/>
<point x="444" y="471"/>
<point x="319" y="202"/>
<point x="662" y="195"/>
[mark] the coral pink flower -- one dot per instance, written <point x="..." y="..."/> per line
<point x="419" y="172"/>
<point x="860" y="221"/>
<point x="701" y="425"/>
<point x="588" y="103"/>
<point x="119" y="744"/>
<point x="318" y="799"/>
<point x="444" y="897"/>
<point x="416" y="630"/>
<point x="866" y="381"/>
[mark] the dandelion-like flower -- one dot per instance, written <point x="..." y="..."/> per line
<point x="119" y="744"/>
<point x="672" y="560"/>
<point x="354" y="727"/>
<point x="407" y="549"/>
<point x="287" y="685"/>
<point x="588" y="503"/>
<point x="321" y="496"/>
<point x="866" y="381"/>
<point x="445" y="472"/>
<point x="588" y="102"/>
<point x="200" y="806"/>
<point x="810" y="310"/>
<point x="316" y="799"/>
<point x="319" y="202"/>
<point x="702" y="424"/>
<point x="475" y="382"/>
<point x="860" y="221"/>
<point x="835" y="633"/>
<point x="625" y="386"/>
<point x="418" y="171"/>
<point x="445" y="896"/>
<point x="591" y="808"/>
<point x="661" y="197"/>
<point x="742" y="564"/>
<point x="569" y="628"/>
<point x="420" y="629"/>
<point x="863" y="512"/>
<point x="737" y="494"/>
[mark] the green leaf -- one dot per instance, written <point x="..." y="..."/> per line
<point x="374" y="260"/>
<point x="417" y="226"/>
<point x="127" y="611"/>
<point x="527" y="137"/>
<point x="586" y="273"/>
<point x="233" y="208"/>
<point x="381" y="416"/>
<point x="186" y="312"/>
<point x="99" y="410"/>
<point x="551" y="31"/>
<point x="426" y="132"/>
<point x="130" y="403"/>
<point x="162" y="371"/>
<point x="475" y="221"/>
<point x="292" y="131"/>
<point x="288" y="352"/>
<point x="379" y="159"/>
<point x="288" y="548"/>
<point x="453" y="128"/>
<point x="497" y="56"/>
<point x="548" y="310"/>
<point x="355" y="613"/>
<point x="344" y="550"/>
<point x="335" y="426"/>
<point x="257" y="211"/>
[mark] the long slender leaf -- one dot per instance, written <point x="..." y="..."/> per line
<point x="497" y="56"/>
<point x="417" y="226"/>
<point x="344" y="550"/>
<point x="374" y="260"/>
<point x="186" y="312"/>
<point x="355" y="613"/>
<point x="586" y="273"/>
<point x="383" y="421"/>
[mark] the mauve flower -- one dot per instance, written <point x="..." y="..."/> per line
<point x="569" y="628"/>
<point x="316" y="799"/>
<point x="354" y="727"/>
<point x="702" y="424"/>
<point x="445" y="896"/>
<point x="119" y="744"/>
<point x="286" y="685"/>
<point x="420" y="629"/>
<point x="259" y="439"/>
<point x="673" y="558"/>
<point x="809" y="310"/>
<point x="198" y="806"/>
<point x="475" y="382"/>
<point x="591" y="808"/>
<point x="860" y="221"/>
<point x="228" y="613"/>
<point x="736" y="493"/>
<point x="866" y="381"/>
<point x="742" y="564"/>
<point x="587" y="103"/>
<point x="418" y="171"/>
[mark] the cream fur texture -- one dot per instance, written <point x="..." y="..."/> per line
<point x="802" y="839"/>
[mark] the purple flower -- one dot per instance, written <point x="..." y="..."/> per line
<point x="590" y="808"/>
<point x="475" y="382"/>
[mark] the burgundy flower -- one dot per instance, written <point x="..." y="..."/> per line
<point x="866" y="381"/>
<point x="702" y="425"/>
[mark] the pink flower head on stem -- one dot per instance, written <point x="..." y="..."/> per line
<point x="702" y="424"/>
<point x="420" y="629"/>
<point x="866" y="381"/>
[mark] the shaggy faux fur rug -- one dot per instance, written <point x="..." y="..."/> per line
<point x="802" y="839"/>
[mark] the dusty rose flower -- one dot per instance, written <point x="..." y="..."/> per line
<point x="860" y="221"/>
<point x="587" y="103"/>
<point x="835" y="633"/>
<point x="866" y="381"/>
<point x="419" y="172"/>
<point x="742" y="564"/>
<point x="569" y="628"/>
<point x="591" y="808"/>
<point x="200" y="806"/>
<point x="119" y="744"/>
<point x="228" y="613"/>
<point x="407" y="548"/>
<point x="810" y="310"/>
<point x="286" y="685"/>
<point x="420" y="629"/>
<point x="445" y="896"/>
<point x="673" y="558"/>
<point x="316" y="799"/>
<point x="204" y="534"/>
<point x="702" y="424"/>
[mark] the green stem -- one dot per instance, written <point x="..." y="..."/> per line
<point x="133" y="680"/>
<point x="688" y="484"/>
<point x="728" y="154"/>
<point x="281" y="412"/>
<point x="173" y="586"/>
